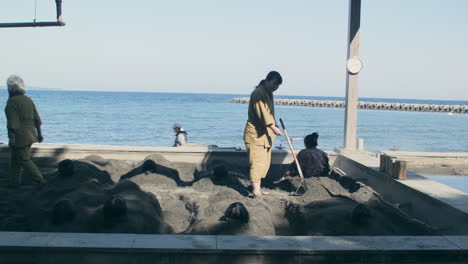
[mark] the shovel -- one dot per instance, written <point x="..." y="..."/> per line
<point x="303" y="183"/>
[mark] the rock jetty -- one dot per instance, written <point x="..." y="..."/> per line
<point x="459" y="109"/>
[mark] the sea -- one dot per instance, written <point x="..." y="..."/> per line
<point x="146" y="119"/>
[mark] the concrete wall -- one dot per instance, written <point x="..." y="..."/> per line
<point x="419" y="205"/>
<point x="196" y="155"/>
<point x="431" y="160"/>
<point x="51" y="248"/>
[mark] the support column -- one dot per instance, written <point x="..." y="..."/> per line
<point x="354" y="23"/>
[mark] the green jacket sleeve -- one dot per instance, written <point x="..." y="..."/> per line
<point x="13" y="119"/>
<point x="37" y="118"/>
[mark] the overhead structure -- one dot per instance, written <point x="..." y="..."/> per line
<point x="58" y="23"/>
<point x="354" y="66"/>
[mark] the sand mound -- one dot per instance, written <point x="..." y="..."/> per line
<point x="157" y="196"/>
<point x="77" y="203"/>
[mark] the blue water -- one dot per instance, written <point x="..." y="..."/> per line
<point x="456" y="182"/>
<point x="145" y="119"/>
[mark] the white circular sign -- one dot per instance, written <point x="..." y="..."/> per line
<point x="354" y="65"/>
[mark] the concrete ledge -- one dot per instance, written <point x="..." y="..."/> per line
<point x="132" y="248"/>
<point x="431" y="159"/>
<point x="424" y="199"/>
<point x="461" y="155"/>
<point x="197" y="155"/>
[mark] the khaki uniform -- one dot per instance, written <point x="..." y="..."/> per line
<point x="22" y="121"/>
<point x="258" y="137"/>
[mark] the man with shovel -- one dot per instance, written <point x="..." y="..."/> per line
<point x="261" y="130"/>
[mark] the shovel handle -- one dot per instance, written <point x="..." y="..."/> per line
<point x="294" y="156"/>
<point x="282" y="124"/>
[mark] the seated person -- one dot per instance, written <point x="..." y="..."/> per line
<point x="313" y="161"/>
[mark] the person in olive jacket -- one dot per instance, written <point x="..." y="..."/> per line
<point x="24" y="129"/>
<point x="261" y="130"/>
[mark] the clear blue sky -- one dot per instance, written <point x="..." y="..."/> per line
<point x="411" y="49"/>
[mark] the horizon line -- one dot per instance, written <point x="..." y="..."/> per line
<point x="32" y="88"/>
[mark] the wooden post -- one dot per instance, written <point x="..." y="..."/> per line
<point x="382" y="163"/>
<point x="393" y="167"/>
<point x="400" y="170"/>
<point x="388" y="166"/>
<point x="352" y="79"/>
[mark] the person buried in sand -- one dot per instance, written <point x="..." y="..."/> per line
<point x="24" y="129"/>
<point x="313" y="161"/>
<point x="261" y="130"/>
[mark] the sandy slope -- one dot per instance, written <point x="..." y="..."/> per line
<point x="163" y="197"/>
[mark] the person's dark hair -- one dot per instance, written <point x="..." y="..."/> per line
<point x="310" y="141"/>
<point x="115" y="207"/>
<point x="361" y="215"/>
<point x="270" y="76"/>
<point x="63" y="212"/>
<point x="236" y="211"/>
<point x="220" y="171"/>
<point x="149" y="166"/>
<point x="66" y="168"/>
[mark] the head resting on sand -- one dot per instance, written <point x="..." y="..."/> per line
<point x="115" y="208"/>
<point x="236" y="211"/>
<point x="63" y="212"/>
<point x="149" y="166"/>
<point x="220" y="171"/>
<point x="66" y="168"/>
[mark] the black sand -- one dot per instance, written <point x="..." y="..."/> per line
<point x="160" y="197"/>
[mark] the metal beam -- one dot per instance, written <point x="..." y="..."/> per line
<point x="350" y="128"/>
<point x="58" y="23"/>
<point x="32" y="24"/>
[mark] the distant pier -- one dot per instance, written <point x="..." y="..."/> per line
<point x="459" y="109"/>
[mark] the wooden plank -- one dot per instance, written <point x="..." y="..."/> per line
<point x="400" y="170"/>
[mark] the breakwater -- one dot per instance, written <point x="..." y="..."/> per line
<point x="459" y="109"/>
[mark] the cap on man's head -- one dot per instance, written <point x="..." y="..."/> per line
<point x="177" y="125"/>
